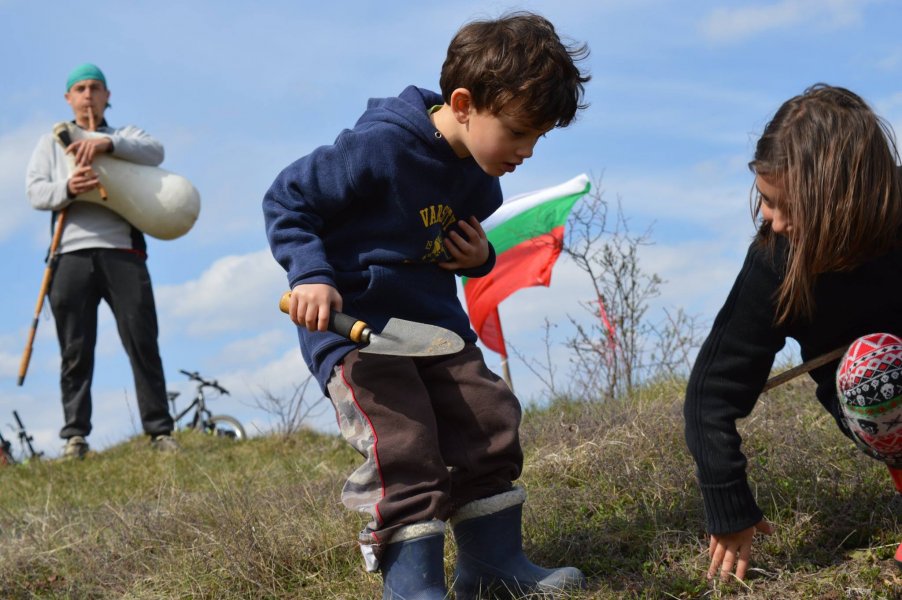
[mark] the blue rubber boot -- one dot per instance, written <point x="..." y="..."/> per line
<point x="490" y="559"/>
<point x="414" y="569"/>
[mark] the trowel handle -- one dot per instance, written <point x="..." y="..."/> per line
<point x="349" y="327"/>
<point x="340" y="323"/>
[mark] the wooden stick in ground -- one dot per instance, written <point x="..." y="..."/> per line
<point x="45" y="287"/>
<point x="806" y="366"/>
<point x="93" y="127"/>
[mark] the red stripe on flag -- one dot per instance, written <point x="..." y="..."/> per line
<point x="525" y="265"/>
<point x="491" y="335"/>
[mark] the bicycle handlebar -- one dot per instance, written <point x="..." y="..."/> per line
<point x="194" y="375"/>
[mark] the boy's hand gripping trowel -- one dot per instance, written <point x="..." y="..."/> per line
<point x="399" y="337"/>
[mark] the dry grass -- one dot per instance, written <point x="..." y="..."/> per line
<point x="611" y="490"/>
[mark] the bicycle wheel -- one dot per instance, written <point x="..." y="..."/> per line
<point x="226" y="426"/>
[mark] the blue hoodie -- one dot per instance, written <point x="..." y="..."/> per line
<point x="367" y="215"/>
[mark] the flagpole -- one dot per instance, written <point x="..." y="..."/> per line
<point x="506" y="372"/>
<point x="505" y="366"/>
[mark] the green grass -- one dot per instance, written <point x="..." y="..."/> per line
<point x="611" y="490"/>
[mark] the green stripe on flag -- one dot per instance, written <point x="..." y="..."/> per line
<point x="532" y="223"/>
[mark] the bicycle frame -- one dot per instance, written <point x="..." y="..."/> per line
<point x="182" y="414"/>
<point x="203" y="418"/>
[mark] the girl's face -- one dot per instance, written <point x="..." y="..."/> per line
<point x="771" y="200"/>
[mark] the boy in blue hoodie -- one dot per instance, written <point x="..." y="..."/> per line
<point x="377" y="225"/>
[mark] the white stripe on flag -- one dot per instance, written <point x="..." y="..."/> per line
<point x="521" y="203"/>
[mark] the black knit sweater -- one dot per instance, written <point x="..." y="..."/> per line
<point x="736" y="358"/>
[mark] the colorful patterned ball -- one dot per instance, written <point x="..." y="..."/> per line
<point x="869" y="387"/>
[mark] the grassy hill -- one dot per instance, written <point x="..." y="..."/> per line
<point x="611" y="490"/>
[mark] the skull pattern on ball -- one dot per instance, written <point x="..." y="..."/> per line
<point x="869" y="387"/>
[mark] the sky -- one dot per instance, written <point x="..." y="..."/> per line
<point x="237" y="90"/>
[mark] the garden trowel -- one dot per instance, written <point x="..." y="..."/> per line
<point x="399" y="337"/>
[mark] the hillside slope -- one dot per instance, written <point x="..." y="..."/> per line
<point x="611" y="490"/>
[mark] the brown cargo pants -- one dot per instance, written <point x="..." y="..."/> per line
<point x="435" y="433"/>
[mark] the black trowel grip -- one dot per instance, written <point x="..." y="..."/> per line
<point x="349" y="327"/>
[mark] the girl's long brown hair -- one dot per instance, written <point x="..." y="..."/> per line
<point x="835" y="161"/>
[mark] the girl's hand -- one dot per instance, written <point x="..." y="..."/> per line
<point x="311" y="303"/>
<point x="734" y="550"/>
<point x="468" y="252"/>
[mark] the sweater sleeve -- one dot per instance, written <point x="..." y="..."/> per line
<point x="729" y="374"/>
<point x="296" y="207"/>
<point x="45" y="189"/>
<point x="483" y="269"/>
<point x="136" y="145"/>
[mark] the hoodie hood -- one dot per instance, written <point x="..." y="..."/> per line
<point x="409" y="110"/>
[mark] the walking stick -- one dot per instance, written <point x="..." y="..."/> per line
<point x="45" y="286"/>
<point x="62" y="136"/>
<point x="806" y="366"/>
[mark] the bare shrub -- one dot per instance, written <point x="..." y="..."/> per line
<point x="294" y="411"/>
<point x="621" y="346"/>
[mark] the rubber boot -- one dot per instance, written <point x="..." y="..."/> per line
<point x="490" y="559"/>
<point x="413" y="568"/>
<point x="896" y="474"/>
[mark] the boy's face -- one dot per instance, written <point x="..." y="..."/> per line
<point x="500" y="143"/>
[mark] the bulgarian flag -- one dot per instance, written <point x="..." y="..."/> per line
<point x="527" y="232"/>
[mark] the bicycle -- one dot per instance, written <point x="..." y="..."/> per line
<point x="202" y="419"/>
<point x="6" y="453"/>
<point x="28" y="451"/>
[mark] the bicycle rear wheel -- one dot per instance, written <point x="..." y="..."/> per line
<point x="227" y="427"/>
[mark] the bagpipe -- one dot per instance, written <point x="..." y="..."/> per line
<point x="154" y="200"/>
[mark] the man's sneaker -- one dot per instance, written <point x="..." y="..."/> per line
<point x="76" y="447"/>
<point x="164" y="443"/>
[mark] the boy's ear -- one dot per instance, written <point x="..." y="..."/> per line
<point x="461" y="104"/>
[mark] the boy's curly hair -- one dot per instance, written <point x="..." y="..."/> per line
<point x="517" y="63"/>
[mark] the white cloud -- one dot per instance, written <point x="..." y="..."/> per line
<point x="698" y="197"/>
<point x="230" y="295"/>
<point x="16" y="147"/>
<point x="252" y="350"/>
<point x="279" y="377"/>
<point x="9" y="364"/>
<point x="697" y="274"/>
<point x="738" y="23"/>
<point x="891" y="61"/>
<point x="889" y="104"/>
